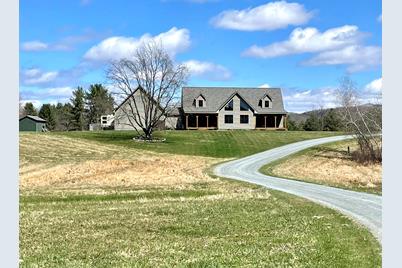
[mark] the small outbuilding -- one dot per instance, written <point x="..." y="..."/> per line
<point x="32" y="123"/>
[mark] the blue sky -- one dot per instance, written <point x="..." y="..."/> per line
<point x="304" y="47"/>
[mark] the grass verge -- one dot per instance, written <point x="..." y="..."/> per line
<point x="328" y="164"/>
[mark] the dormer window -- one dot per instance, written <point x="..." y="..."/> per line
<point x="200" y="101"/>
<point x="265" y="102"/>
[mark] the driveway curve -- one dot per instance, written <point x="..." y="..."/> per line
<point x="363" y="207"/>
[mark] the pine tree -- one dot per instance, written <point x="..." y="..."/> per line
<point x="312" y="123"/>
<point x="99" y="102"/>
<point x="332" y="122"/>
<point x="78" y="109"/>
<point x="29" y="109"/>
<point x="47" y="112"/>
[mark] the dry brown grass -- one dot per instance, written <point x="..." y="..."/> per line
<point x="330" y="164"/>
<point x="61" y="162"/>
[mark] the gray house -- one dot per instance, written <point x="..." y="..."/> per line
<point x="32" y="123"/>
<point x="233" y="108"/>
<point x="214" y="108"/>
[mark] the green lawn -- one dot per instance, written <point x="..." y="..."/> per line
<point x="221" y="144"/>
<point x="222" y="224"/>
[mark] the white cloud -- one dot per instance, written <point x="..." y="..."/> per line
<point x="308" y="40"/>
<point x="306" y="100"/>
<point x="46" y="95"/>
<point x="374" y="86"/>
<point x="358" y="58"/>
<point x="270" y="16"/>
<point x="114" y="48"/>
<point x="36" y="76"/>
<point x="34" y="46"/>
<point x="208" y="70"/>
<point x="264" y="86"/>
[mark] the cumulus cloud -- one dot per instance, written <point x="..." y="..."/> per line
<point x="264" y="86"/>
<point x="374" y="86"/>
<point x="268" y="17"/>
<point x="358" y="58"/>
<point x="305" y="100"/>
<point x="46" y="95"/>
<point x="114" y="48"/>
<point x="34" y="46"/>
<point x="308" y="40"/>
<point x="208" y="70"/>
<point x="35" y="76"/>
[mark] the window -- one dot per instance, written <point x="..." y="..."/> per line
<point x="243" y="119"/>
<point x="200" y="103"/>
<point x="229" y="106"/>
<point x="228" y="119"/>
<point x="267" y="103"/>
<point x="243" y="105"/>
<point x="104" y="122"/>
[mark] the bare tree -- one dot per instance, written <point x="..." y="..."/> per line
<point x="158" y="80"/>
<point x="364" y="121"/>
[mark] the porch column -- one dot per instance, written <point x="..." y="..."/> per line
<point x="275" y="121"/>
<point x="186" y="121"/>
<point x="207" y="121"/>
<point x="286" y="121"/>
<point x="196" y="121"/>
<point x="265" y="121"/>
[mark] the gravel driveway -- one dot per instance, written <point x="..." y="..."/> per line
<point x="363" y="207"/>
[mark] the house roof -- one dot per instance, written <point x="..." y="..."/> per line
<point x="215" y="98"/>
<point x="34" y="118"/>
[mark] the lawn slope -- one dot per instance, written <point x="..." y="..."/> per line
<point x="85" y="203"/>
<point x="221" y="144"/>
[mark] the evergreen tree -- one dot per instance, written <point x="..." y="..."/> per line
<point x="292" y="125"/>
<point x="78" y="109"/>
<point x="29" y="109"/>
<point x="312" y="123"/>
<point x="47" y="112"/>
<point x="64" y="118"/>
<point x="332" y="122"/>
<point x="99" y="102"/>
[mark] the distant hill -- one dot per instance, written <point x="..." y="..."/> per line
<point x="301" y="117"/>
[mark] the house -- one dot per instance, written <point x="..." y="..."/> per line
<point x="124" y="113"/>
<point x="107" y="120"/>
<point x="233" y="108"/>
<point x="32" y="123"/>
<point x="213" y="108"/>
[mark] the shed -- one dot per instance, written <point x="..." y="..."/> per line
<point x="32" y="123"/>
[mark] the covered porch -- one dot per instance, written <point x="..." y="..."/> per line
<point x="201" y="121"/>
<point x="271" y="121"/>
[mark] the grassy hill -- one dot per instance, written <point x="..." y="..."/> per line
<point x="97" y="200"/>
<point x="221" y="144"/>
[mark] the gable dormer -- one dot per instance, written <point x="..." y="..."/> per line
<point x="200" y="101"/>
<point x="265" y="102"/>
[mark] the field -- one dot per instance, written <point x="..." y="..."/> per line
<point x="93" y="203"/>
<point x="219" y="144"/>
<point x="329" y="164"/>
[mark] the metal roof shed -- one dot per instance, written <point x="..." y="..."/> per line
<point x="32" y="123"/>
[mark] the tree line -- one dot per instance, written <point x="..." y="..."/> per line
<point x="85" y="107"/>
<point x="319" y="120"/>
